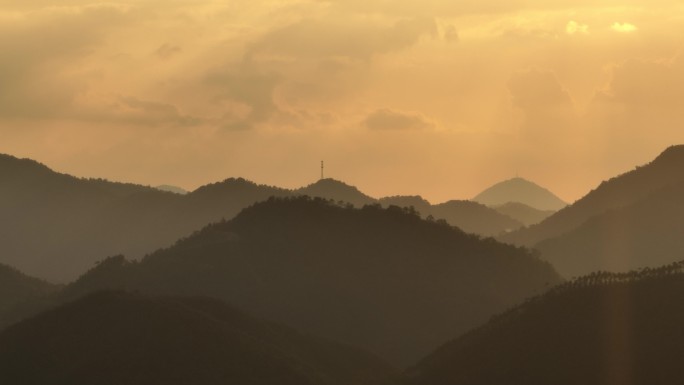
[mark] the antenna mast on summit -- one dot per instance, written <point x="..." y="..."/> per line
<point x="322" y="171"/>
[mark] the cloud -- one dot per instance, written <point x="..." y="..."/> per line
<point x="246" y="94"/>
<point x="547" y="106"/>
<point x="335" y="38"/>
<point x="642" y="95"/>
<point x="450" y="34"/>
<point x="134" y="110"/>
<point x="166" y="51"/>
<point x="623" y="27"/>
<point x="39" y="50"/>
<point x="386" y="119"/>
<point x="574" y="27"/>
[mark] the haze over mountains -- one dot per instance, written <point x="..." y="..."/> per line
<point x="598" y="330"/>
<point x="81" y="221"/>
<point x="364" y="272"/>
<point x="383" y="279"/>
<point x="523" y="213"/>
<point x="630" y="221"/>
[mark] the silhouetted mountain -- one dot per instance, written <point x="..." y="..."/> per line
<point x="598" y="330"/>
<point x="173" y="189"/>
<point x="383" y="279"/>
<point x="55" y="226"/>
<point x="119" y="338"/>
<point x="416" y="201"/>
<point x="337" y="191"/>
<point x="620" y="191"/>
<point x="473" y="217"/>
<point x="647" y="233"/>
<point x="523" y="213"/>
<point x="522" y="191"/>
<point x="630" y="221"/>
<point x="17" y="288"/>
<point x="80" y="221"/>
<point x="470" y="217"/>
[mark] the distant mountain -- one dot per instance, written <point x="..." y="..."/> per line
<point x="383" y="279"/>
<point x="522" y="191"/>
<point x="173" y="189"/>
<point x="473" y="217"/>
<point x="647" y="233"/>
<point x="600" y="329"/>
<point x="55" y="226"/>
<point x="523" y="213"/>
<point x="631" y="221"/>
<point x="17" y="288"/>
<point x="469" y="216"/>
<point x="337" y="191"/>
<point x="119" y="338"/>
<point x="620" y="191"/>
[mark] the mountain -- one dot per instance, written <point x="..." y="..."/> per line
<point x="337" y="191"/>
<point x="416" y="201"/>
<point x="17" y="288"/>
<point x="382" y="279"/>
<point x="523" y="213"/>
<point x="600" y="329"/>
<point x="56" y="226"/>
<point x="647" y="233"/>
<point x="81" y="221"/>
<point x="620" y="191"/>
<point x="173" y="189"/>
<point x="522" y="191"/>
<point x="121" y="338"/>
<point x="628" y="222"/>
<point x="473" y="217"/>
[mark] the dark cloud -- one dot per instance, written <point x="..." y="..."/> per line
<point x="386" y="119"/>
<point x="166" y="51"/>
<point x="134" y="110"/>
<point x="246" y="86"/>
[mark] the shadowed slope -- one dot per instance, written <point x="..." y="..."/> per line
<point x="602" y="329"/>
<point x="56" y="226"/>
<point x="471" y="217"/>
<point x="379" y="278"/>
<point x="523" y="213"/>
<point x="645" y="234"/>
<point x="17" y="288"/>
<point x="119" y="338"/>
<point x="617" y="192"/>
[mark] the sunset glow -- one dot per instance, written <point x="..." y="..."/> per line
<point x="437" y="98"/>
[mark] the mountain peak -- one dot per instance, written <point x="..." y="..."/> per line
<point x="520" y="190"/>
<point x="336" y="190"/>
<point x="10" y="163"/>
<point x="674" y="154"/>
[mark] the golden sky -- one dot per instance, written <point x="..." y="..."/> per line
<point x="433" y="97"/>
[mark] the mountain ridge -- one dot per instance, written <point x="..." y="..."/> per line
<point x="114" y="337"/>
<point x="520" y="190"/>
<point x="285" y="260"/>
<point x="602" y="328"/>
<point x="619" y="191"/>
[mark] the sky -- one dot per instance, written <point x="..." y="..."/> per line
<point x="439" y="98"/>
